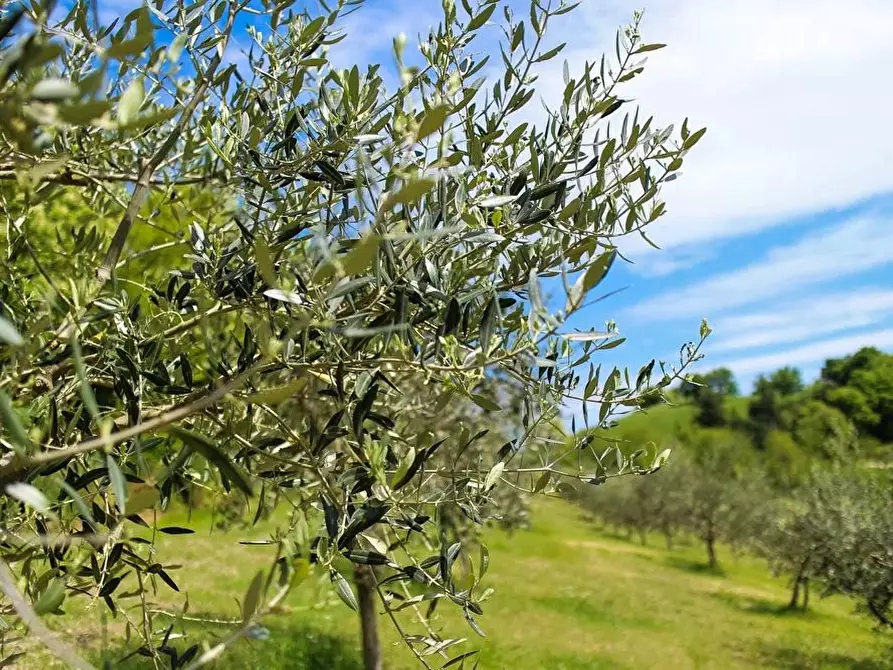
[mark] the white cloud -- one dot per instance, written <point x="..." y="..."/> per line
<point x="650" y="262"/>
<point x="371" y="29"/>
<point x="787" y="90"/>
<point x="849" y="248"/>
<point x="810" y="353"/>
<point x="803" y="320"/>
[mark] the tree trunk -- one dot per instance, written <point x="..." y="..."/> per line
<point x="710" y="541"/>
<point x="805" y="593"/>
<point x="366" y="599"/>
<point x="798" y="580"/>
<point x="643" y="537"/>
<point x="795" y="595"/>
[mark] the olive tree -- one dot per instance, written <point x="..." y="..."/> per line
<point x="722" y="502"/>
<point x="641" y="505"/>
<point x="375" y="256"/>
<point x="841" y="535"/>
<point x="793" y="539"/>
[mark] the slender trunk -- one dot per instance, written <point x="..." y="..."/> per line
<point x="805" y="593"/>
<point x="795" y="595"/>
<point x="879" y="612"/>
<point x="643" y="537"/>
<point x="366" y="599"/>
<point x="669" y="538"/>
<point x="710" y="541"/>
<point x="800" y="579"/>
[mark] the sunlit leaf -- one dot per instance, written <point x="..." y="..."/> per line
<point x="9" y="334"/>
<point x="131" y="101"/>
<point x="342" y="588"/>
<point x="30" y="496"/>
<point x="119" y="484"/>
<point x="51" y="598"/>
<point x="251" y="601"/>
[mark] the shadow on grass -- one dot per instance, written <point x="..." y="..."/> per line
<point x="763" y="606"/>
<point x="291" y="644"/>
<point x="688" y="565"/>
<point x="618" y="536"/>
<point x="789" y="658"/>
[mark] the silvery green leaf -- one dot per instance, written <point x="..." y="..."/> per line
<point x="482" y="236"/>
<point x="587" y="337"/>
<point x="368" y="139"/>
<point x="54" y="89"/>
<point x="496" y="201"/>
<point x="51" y="598"/>
<point x="119" y="484"/>
<point x="284" y="296"/>
<point x="30" y="496"/>
<point x="81" y="370"/>
<point x="494" y="475"/>
<point x="9" y="420"/>
<point x="131" y="101"/>
<point x="9" y="334"/>
<point x="252" y="598"/>
<point x="344" y="591"/>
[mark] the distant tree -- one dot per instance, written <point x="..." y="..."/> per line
<point x="784" y="460"/>
<point x="786" y="381"/>
<point x="708" y="392"/>
<point x="723" y="501"/>
<point x="771" y="401"/>
<point x="861" y="386"/>
<point x="641" y="505"/>
<point x="667" y="496"/>
<point x="722" y="382"/>
<point x="790" y="543"/>
<point x="841" y="533"/>
<point x="764" y="410"/>
<point x="824" y="431"/>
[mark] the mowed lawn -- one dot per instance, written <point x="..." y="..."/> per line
<point x="565" y="597"/>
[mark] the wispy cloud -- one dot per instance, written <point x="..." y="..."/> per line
<point x="785" y="89"/>
<point x="371" y="29"/>
<point x="849" y="248"/>
<point x="650" y="262"/>
<point x="809" y="353"/>
<point x="804" y="320"/>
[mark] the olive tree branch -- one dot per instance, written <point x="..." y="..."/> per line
<point x="34" y="623"/>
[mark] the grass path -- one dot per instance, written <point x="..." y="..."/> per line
<point x="566" y="598"/>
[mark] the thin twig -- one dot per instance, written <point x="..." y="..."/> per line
<point x="66" y="178"/>
<point x="143" y="183"/>
<point x="34" y="623"/>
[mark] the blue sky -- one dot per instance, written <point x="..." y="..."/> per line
<point x="778" y="231"/>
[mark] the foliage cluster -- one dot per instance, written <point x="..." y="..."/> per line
<point x="305" y="290"/>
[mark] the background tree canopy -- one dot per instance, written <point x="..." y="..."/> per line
<point x="318" y="295"/>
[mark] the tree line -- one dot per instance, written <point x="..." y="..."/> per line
<point x="828" y="522"/>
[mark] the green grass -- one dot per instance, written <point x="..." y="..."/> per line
<point x="566" y="597"/>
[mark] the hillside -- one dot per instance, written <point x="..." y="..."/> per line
<point x="660" y="423"/>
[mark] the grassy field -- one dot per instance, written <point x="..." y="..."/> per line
<point x="566" y="597"/>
